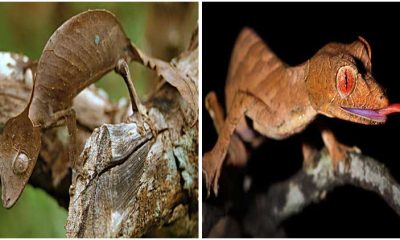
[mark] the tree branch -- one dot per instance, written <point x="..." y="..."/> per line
<point x="311" y="185"/>
<point x="134" y="177"/>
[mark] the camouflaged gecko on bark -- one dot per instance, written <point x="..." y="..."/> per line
<point x="79" y="53"/>
<point x="282" y="100"/>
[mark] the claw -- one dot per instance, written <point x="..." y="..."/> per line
<point x="215" y="188"/>
<point x="207" y="182"/>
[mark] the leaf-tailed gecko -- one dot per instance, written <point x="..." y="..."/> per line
<point x="282" y="100"/>
<point x="80" y="52"/>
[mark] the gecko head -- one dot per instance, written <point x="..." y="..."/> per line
<point x="340" y="84"/>
<point x="19" y="148"/>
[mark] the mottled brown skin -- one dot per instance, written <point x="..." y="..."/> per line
<point x="79" y="53"/>
<point x="18" y="137"/>
<point x="282" y="100"/>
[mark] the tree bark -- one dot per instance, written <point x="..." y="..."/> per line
<point x="311" y="186"/>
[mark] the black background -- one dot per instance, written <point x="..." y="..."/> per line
<point x="295" y="31"/>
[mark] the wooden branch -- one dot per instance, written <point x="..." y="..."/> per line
<point x="311" y="185"/>
<point x="134" y="179"/>
<point x="112" y="197"/>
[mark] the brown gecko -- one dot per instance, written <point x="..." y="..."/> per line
<point x="282" y="100"/>
<point x="80" y="52"/>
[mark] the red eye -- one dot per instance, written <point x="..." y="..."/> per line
<point x="346" y="80"/>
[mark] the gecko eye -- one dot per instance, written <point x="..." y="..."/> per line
<point x="346" y="80"/>
<point x="20" y="163"/>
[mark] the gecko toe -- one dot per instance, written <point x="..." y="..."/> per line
<point x="211" y="172"/>
<point x="207" y="182"/>
<point x="215" y="187"/>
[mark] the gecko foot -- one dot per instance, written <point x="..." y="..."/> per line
<point x="337" y="151"/>
<point x="309" y="153"/>
<point x="211" y="171"/>
<point x="340" y="154"/>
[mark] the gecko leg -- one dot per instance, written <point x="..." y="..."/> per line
<point x="213" y="160"/>
<point x="68" y="117"/>
<point x="137" y="107"/>
<point x="309" y="153"/>
<point x="237" y="151"/>
<point x="248" y="134"/>
<point x="73" y="147"/>
<point x="123" y="70"/>
<point x="56" y="119"/>
<point x="337" y="151"/>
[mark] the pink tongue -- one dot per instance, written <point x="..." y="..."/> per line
<point x="393" y="108"/>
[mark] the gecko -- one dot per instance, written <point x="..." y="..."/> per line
<point x="283" y="100"/>
<point x="80" y="52"/>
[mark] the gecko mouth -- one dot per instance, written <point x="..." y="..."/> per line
<point x="367" y="113"/>
<point x="377" y="115"/>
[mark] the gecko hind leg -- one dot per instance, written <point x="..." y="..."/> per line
<point x="213" y="160"/>
<point x="237" y="151"/>
<point x="309" y="153"/>
<point x="68" y="117"/>
<point x="76" y="166"/>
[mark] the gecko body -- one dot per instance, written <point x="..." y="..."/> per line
<point x="282" y="100"/>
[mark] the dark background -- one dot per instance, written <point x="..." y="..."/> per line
<point x="295" y="31"/>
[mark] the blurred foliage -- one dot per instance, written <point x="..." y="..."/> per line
<point x="161" y="29"/>
<point x="34" y="215"/>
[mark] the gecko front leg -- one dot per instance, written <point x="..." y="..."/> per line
<point x="237" y="151"/>
<point x="213" y="160"/>
<point x="337" y="151"/>
<point x="123" y="70"/>
<point x="137" y="107"/>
